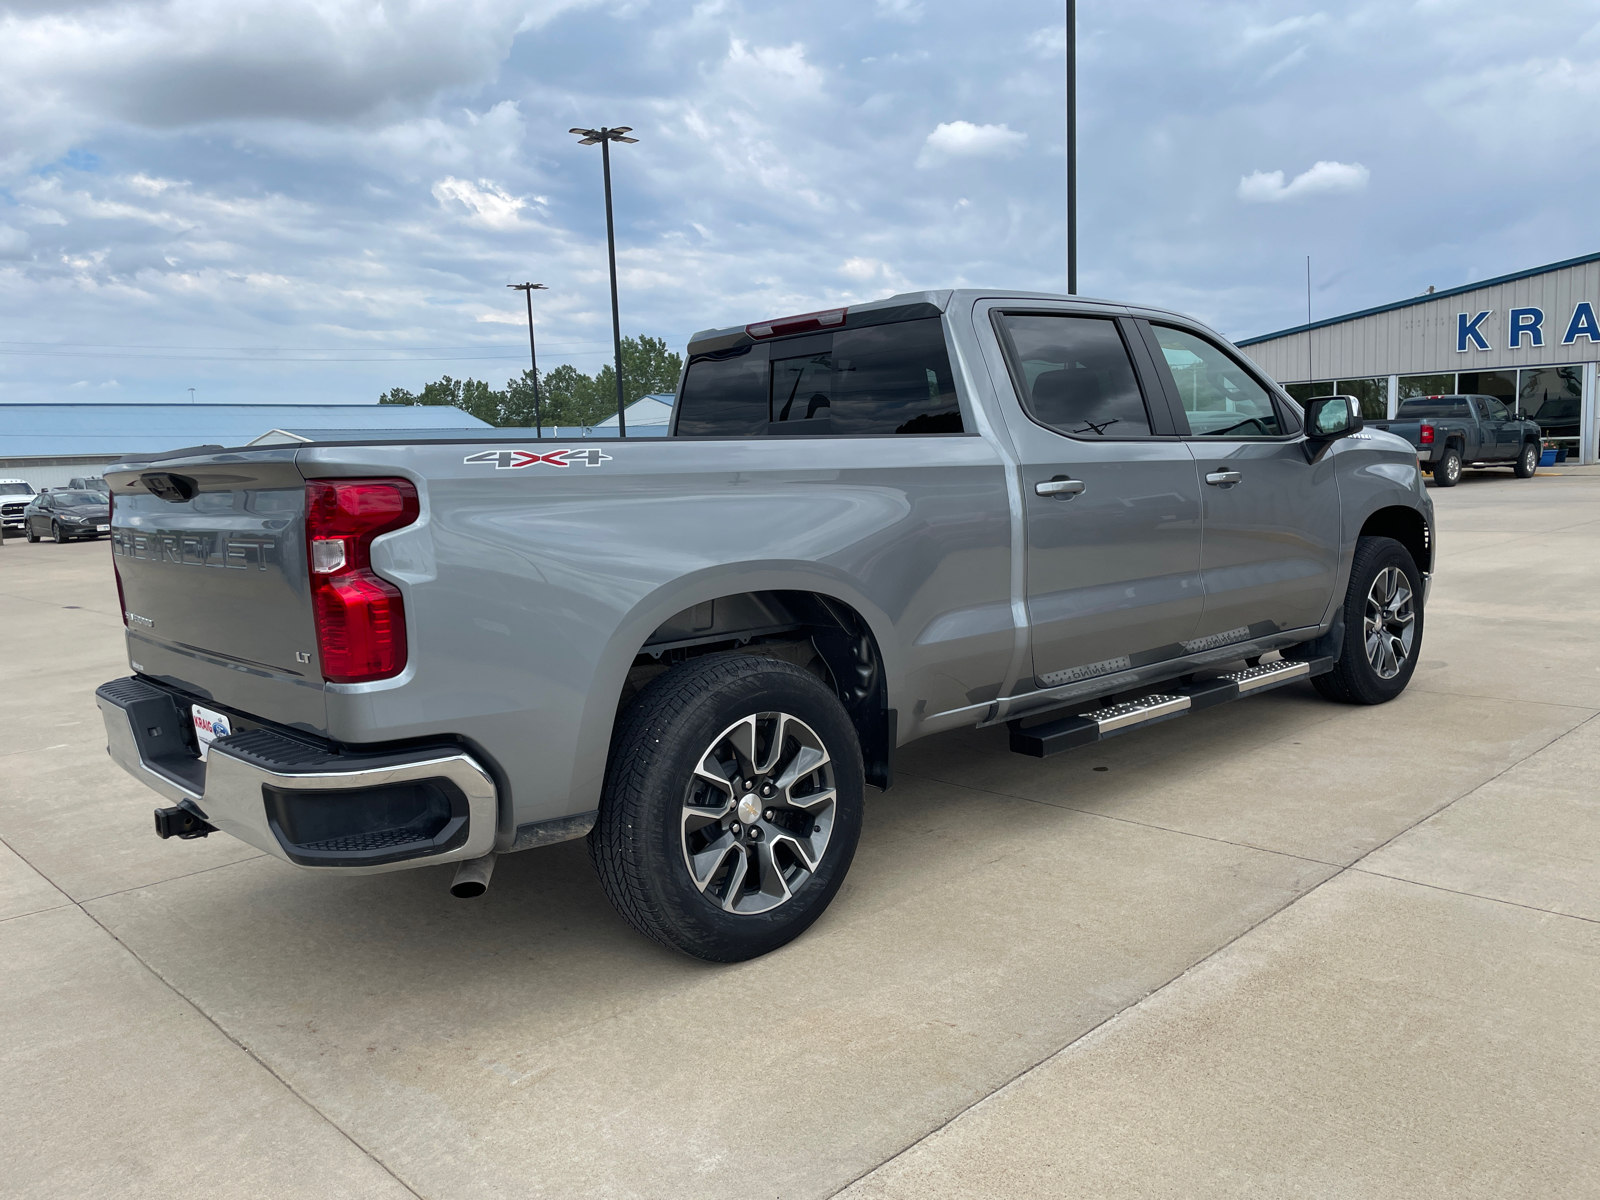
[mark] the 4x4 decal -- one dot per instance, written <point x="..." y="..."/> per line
<point x="515" y="460"/>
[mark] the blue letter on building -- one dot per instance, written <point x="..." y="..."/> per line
<point x="1583" y="324"/>
<point x="1529" y="321"/>
<point x="1468" y="331"/>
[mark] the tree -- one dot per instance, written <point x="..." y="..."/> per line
<point x="567" y="396"/>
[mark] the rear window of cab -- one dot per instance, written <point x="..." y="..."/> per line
<point x="879" y="380"/>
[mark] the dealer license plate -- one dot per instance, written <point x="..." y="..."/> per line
<point x="208" y="727"/>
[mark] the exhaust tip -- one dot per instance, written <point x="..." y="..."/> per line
<point x="472" y="877"/>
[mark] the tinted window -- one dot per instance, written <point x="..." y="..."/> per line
<point x="1218" y="394"/>
<point x="79" y="499"/>
<point x="726" y="396"/>
<point x="883" y="379"/>
<point x="1076" y="376"/>
<point x="1431" y="408"/>
<point x="1493" y="409"/>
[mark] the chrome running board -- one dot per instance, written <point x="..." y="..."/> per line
<point x="1067" y="733"/>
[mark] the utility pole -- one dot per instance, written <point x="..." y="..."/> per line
<point x="191" y="395"/>
<point x="528" y="289"/>
<point x="605" y="137"/>
<point x="1072" y="147"/>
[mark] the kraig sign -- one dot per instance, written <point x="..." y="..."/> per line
<point x="1525" y="328"/>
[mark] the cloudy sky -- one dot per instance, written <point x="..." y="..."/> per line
<point x="316" y="200"/>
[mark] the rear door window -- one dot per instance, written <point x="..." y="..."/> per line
<point x="1075" y="375"/>
<point x="1220" y="397"/>
<point x="875" y="381"/>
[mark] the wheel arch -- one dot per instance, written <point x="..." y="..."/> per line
<point x="771" y="609"/>
<point x="1406" y="526"/>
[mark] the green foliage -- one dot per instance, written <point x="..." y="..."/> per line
<point x="567" y="396"/>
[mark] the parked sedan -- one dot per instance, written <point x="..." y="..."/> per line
<point x="68" y="516"/>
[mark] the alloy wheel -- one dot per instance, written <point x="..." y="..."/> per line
<point x="758" y="813"/>
<point x="1390" y="624"/>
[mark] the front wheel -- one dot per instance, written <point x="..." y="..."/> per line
<point x="55" y="532"/>
<point x="1382" y="626"/>
<point x="1527" y="462"/>
<point x="732" y="807"/>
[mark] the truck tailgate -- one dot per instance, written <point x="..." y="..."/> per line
<point x="212" y="566"/>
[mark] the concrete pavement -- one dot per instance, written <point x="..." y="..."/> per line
<point x="1278" y="947"/>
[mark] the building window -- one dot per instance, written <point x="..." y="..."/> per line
<point x="1373" y="394"/>
<point x="1502" y="385"/>
<point x="1552" y="396"/>
<point x="1427" y="385"/>
<point x="1306" y="391"/>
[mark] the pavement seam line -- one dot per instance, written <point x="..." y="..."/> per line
<point x="171" y="879"/>
<point x="1339" y="872"/>
<point x="23" y="859"/>
<point x="1089" y="812"/>
<point x="248" y="1053"/>
<point x="1438" y="887"/>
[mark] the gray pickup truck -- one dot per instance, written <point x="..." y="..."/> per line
<point x="945" y="509"/>
<point x="1450" y="432"/>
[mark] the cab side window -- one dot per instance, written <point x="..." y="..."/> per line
<point x="1493" y="409"/>
<point x="1219" y="396"/>
<point x="1075" y="376"/>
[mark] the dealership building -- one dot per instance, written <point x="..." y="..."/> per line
<point x="1532" y="339"/>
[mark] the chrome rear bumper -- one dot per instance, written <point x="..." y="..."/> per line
<point x="146" y="734"/>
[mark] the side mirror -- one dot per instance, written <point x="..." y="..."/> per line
<point x="1330" y="417"/>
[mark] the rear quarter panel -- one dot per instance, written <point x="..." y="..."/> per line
<point x="530" y="591"/>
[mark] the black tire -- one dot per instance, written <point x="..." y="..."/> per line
<point x="55" y="532"/>
<point x="642" y="843"/>
<point x="1359" y="676"/>
<point x="32" y="536"/>
<point x="1527" y="462"/>
<point x="1447" y="471"/>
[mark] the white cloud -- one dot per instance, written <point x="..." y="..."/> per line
<point x="486" y="204"/>
<point x="963" y="139"/>
<point x="13" y="242"/>
<point x="1268" y="187"/>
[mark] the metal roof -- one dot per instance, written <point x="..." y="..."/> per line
<point x="68" y="430"/>
<point x="646" y="410"/>
<point x="1425" y="298"/>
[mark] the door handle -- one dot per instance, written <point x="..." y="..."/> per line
<point x="1058" y="487"/>
<point x="1222" y="478"/>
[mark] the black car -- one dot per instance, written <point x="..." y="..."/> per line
<point x="68" y="515"/>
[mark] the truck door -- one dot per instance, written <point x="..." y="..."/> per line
<point x="1502" y="437"/>
<point x="1110" y="496"/>
<point x="1271" y="518"/>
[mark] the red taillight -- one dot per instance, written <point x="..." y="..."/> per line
<point x="1426" y="437"/>
<point x="797" y="324"/>
<point x="111" y="519"/>
<point x="361" y="620"/>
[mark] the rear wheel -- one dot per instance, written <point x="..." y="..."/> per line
<point x="1527" y="462"/>
<point x="731" y="808"/>
<point x="1382" y="626"/>
<point x="32" y="536"/>
<point x="1447" y="471"/>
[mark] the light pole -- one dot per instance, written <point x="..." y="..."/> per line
<point x="605" y="137"/>
<point x="1072" y="147"/>
<point x="191" y="395"/>
<point x="528" y="289"/>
